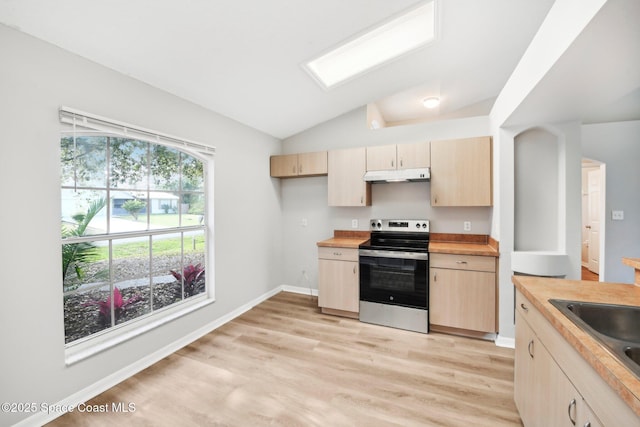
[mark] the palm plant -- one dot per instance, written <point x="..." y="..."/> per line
<point x="76" y="255"/>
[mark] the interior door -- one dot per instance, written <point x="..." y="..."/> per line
<point x="584" y="237"/>
<point x="593" y="180"/>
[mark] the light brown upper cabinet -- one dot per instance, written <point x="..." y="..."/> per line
<point x="346" y="187"/>
<point x="401" y="156"/>
<point x="302" y="164"/>
<point x="461" y="172"/>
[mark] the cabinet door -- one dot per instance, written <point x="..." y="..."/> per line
<point x="312" y="164"/>
<point x="463" y="299"/>
<point x="414" y="155"/>
<point x="346" y="185"/>
<point x="524" y="375"/>
<point x="284" y="166"/>
<point x="381" y="157"/>
<point x="461" y="172"/>
<point x="339" y="285"/>
<point x="535" y="371"/>
<point x="588" y="418"/>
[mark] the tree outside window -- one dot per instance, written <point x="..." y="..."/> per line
<point x="133" y="231"/>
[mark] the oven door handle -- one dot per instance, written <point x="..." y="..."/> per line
<point x="394" y="254"/>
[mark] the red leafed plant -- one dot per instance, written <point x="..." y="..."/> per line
<point x="119" y="306"/>
<point x="192" y="275"/>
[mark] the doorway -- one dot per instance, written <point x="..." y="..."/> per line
<point x="592" y="231"/>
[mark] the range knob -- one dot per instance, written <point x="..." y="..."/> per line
<point x="417" y="225"/>
<point x="424" y="225"/>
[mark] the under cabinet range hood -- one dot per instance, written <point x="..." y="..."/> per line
<point x="398" y="175"/>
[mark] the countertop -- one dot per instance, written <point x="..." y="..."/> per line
<point x="635" y="264"/>
<point x="345" y="239"/>
<point x="632" y="262"/>
<point x="463" y="244"/>
<point x="539" y="290"/>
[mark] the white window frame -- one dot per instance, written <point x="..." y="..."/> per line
<point x="79" y="121"/>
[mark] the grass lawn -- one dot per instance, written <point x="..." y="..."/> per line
<point x="168" y="246"/>
<point x="166" y="220"/>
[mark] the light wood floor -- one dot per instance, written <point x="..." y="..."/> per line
<point x="285" y="364"/>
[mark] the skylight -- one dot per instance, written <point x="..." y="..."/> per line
<point x="388" y="41"/>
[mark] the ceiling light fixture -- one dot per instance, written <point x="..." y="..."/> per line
<point x="431" y="102"/>
<point x="388" y="41"/>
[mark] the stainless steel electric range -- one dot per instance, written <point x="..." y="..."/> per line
<point x="394" y="274"/>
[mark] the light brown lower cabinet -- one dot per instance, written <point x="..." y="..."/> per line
<point x="553" y="385"/>
<point x="338" y="281"/>
<point x="462" y="292"/>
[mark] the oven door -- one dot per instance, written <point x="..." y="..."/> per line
<point x="391" y="277"/>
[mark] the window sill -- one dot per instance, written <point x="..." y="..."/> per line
<point x="75" y="353"/>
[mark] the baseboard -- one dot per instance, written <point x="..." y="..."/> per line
<point x="112" y="380"/>
<point x="505" y="342"/>
<point x="299" y="290"/>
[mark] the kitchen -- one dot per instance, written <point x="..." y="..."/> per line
<point x="293" y="214"/>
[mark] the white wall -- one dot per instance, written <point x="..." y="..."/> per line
<point x="35" y="79"/>
<point x="306" y="198"/>
<point x="618" y="146"/>
<point x="536" y="196"/>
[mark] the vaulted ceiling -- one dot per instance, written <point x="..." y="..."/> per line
<point x="242" y="58"/>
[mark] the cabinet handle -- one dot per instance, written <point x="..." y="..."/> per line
<point x="435" y="199"/>
<point x="401" y="163"/>
<point x="354" y="269"/>
<point x="337" y="253"/>
<point x="461" y="262"/>
<point x="530" y="349"/>
<point x="435" y="277"/>
<point x="361" y="199"/>
<point x="524" y="307"/>
<point x="392" y="163"/>
<point x="572" y="404"/>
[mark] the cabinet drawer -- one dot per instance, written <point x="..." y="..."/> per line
<point x="530" y="314"/>
<point x="463" y="262"/>
<point x="343" y="254"/>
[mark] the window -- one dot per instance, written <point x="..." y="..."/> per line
<point x="134" y="225"/>
<point x="388" y="41"/>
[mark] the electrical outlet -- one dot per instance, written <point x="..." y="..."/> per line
<point x="617" y="215"/>
<point x="467" y="226"/>
<point x="304" y="222"/>
<point x="354" y="223"/>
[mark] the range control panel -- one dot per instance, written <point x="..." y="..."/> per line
<point x="409" y="225"/>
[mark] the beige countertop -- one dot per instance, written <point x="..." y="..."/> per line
<point x="463" y="244"/>
<point x="345" y="239"/>
<point x="458" y="244"/>
<point x="632" y="262"/>
<point x="635" y="264"/>
<point x="539" y="290"/>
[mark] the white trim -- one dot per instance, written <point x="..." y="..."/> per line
<point x="106" y="383"/>
<point x="299" y="290"/>
<point x="506" y="342"/>
<point x="78" y="352"/>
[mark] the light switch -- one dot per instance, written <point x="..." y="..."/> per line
<point x="617" y="215"/>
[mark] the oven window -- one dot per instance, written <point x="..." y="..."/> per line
<point x="393" y="275"/>
<point x="394" y="281"/>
